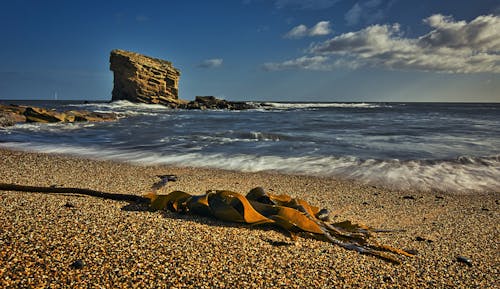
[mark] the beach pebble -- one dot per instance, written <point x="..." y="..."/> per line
<point x="411" y="251"/>
<point x="77" y="264"/>
<point x="421" y="239"/>
<point x="323" y="215"/>
<point x="388" y="278"/>
<point x="464" y="260"/>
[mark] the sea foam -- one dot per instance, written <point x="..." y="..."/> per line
<point x="461" y="175"/>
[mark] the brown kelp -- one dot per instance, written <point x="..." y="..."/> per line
<point x="294" y="215"/>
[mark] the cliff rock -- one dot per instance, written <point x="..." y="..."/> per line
<point x="144" y="79"/>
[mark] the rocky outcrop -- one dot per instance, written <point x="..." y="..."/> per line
<point x="10" y="118"/>
<point x="143" y="79"/>
<point x="211" y="102"/>
<point x="12" y="114"/>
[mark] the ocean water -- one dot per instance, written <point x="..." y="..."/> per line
<point x="422" y="146"/>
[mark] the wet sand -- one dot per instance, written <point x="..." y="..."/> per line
<point x="118" y="244"/>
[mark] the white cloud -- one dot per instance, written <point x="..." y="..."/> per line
<point x="304" y="62"/>
<point x="367" y="12"/>
<point x="451" y="46"/>
<point x="321" y="28"/>
<point x="481" y="34"/>
<point x="300" y="31"/>
<point x="305" y="4"/>
<point x="211" y="63"/>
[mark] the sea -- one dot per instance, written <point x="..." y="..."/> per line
<point x="441" y="147"/>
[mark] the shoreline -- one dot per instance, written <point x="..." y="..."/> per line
<point x="124" y="244"/>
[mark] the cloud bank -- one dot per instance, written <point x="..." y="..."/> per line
<point x="451" y="47"/>
<point x="321" y="28"/>
<point x="211" y="63"/>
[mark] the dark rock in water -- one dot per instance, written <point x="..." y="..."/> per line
<point x="211" y="102"/>
<point x="18" y="114"/>
<point x="464" y="260"/>
<point x="409" y="198"/>
<point x="77" y="264"/>
<point x="144" y="79"/>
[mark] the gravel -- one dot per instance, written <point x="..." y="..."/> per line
<point x="70" y="241"/>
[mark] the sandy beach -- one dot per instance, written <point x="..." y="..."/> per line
<point x="122" y="245"/>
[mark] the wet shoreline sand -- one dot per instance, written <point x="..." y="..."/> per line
<point x="125" y="245"/>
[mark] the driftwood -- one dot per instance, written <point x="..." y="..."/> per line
<point x="294" y="215"/>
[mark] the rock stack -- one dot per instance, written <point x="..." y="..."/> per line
<point x="144" y="79"/>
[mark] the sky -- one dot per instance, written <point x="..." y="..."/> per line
<point x="276" y="50"/>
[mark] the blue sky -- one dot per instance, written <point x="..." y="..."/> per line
<point x="288" y="50"/>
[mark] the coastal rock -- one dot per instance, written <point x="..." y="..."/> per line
<point x="6" y="119"/>
<point x="84" y="115"/>
<point x="37" y="114"/>
<point x="211" y="102"/>
<point x="12" y="114"/>
<point x="143" y="79"/>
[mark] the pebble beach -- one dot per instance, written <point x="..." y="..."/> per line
<point x="74" y="241"/>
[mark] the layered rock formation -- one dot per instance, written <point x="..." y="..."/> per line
<point x="143" y="79"/>
<point x="12" y="114"/>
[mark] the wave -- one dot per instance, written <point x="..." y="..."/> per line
<point x="313" y="105"/>
<point x="48" y="127"/>
<point x="461" y="175"/>
<point x="124" y="107"/>
<point x="232" y="137"/>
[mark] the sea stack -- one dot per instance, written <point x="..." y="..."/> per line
<point x="144" y="79"/>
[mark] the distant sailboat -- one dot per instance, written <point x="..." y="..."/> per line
<point x="55" y="95"/>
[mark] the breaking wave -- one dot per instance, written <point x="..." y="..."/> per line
<point x="461" y="175"/>
<point x="124" y="107"/>
<point x="282" y="105"/>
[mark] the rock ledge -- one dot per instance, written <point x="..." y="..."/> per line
<point x="12" y="114"/>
